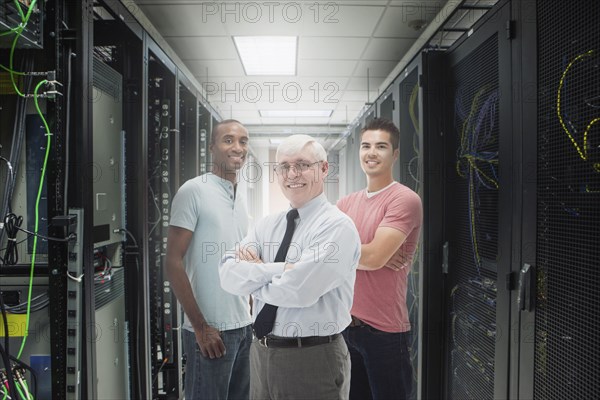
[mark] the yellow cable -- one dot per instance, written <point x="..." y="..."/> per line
<point x="473" y="225"/>
<point x="582" y="153"/>
<point x="411" y="107"/>
<point x="463" y="136"/>
<point x="472" y="166"/>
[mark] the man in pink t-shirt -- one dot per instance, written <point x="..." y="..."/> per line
<point x="388" y="217"/>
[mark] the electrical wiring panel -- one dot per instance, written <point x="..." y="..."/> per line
<point x="24" y="18"/>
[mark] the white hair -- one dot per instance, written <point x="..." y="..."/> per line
<point x="296" y="143"/>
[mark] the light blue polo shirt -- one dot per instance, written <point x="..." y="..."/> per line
<point x="206" y="206"/>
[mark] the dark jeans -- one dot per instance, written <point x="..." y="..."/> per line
<point x="381" y="367"/>
<point x="222" y="378"/>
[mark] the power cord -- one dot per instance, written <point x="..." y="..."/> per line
<point x="12" y="224"/>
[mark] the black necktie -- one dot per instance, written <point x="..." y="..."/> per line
<point x="266" y="317"/>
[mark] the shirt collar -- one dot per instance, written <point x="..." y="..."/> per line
<point x="371" y="194"/>
<point x="227" y="185"/>
<point x="311" y="206"/>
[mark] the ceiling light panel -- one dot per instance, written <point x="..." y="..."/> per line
<point x="267" y="55"/>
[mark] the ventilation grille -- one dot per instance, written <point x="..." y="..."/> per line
<point x="107" y="79"/>
<point x="472" y="186"/>
<point x="567" y="332"/>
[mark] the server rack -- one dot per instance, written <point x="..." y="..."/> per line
<point x="205" y="125"/>
<point x="189" y="146"/>
<point x="559" y="333"/>
<point x="163" y="171"/>
<point x="478" y="195"/>
<point x="70" y="41"/>
<point x="118" y="40"/>
<point x="413" y="101"/>
<point x="430" y="104"/>
<point x="369" y="115"/>
<point x="387" y="104"/>
<point x="409" y="172"/>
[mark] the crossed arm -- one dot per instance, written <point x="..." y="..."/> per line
<point x="322" y="266"/>
<point x="381" y="249"/>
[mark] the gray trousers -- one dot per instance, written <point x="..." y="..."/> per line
<point x="317" y="372"/>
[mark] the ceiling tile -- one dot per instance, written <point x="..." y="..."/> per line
<point x="360" y="83"/>
<point x="203" y="48"/>
<point x="215" y="68"/>
<point x="379" y="69"/>
<point x="318" y="90"/>
<point x="329" y="48"/>
<point x="387" y="49"/>
<point x="326" y="67"/>
<point x="354" y="95"/>
<point x="300" y="18"/>
<point x="395" y="22"/>
<point x="183" y="20"/>
<point x="274" y="18"/>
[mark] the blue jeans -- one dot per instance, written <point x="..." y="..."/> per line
<point x="381" y="367"/>
<point x="222" y="378"/>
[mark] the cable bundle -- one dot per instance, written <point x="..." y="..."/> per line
<point x="12" y="223"/>
<point x="473" y="161"/>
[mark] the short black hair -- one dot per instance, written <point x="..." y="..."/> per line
<point x="215" y="128"/>
<point x="385" y="125"/>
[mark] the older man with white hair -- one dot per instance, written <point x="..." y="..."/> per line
<point x="299" y="266"/>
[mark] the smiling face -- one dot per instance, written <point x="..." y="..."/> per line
<point x="377" y="155"/>
<point x="298" y="186"/>
<point x="229" y="149"/>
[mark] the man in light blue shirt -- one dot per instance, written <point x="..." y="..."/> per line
<point x="208" y="216"/>
<point x="304" y="355"/>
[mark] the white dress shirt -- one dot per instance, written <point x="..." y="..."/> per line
<point x="314" y="297"/>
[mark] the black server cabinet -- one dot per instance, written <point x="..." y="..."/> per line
<point x="369" y="115"/>
<point x="189" y="149"/>
<point x="118" y="40"/>
<point x="162" y="184"/>
<point x="560" y="332"/>
<point x="417" y="110"/>
<point x="409" y="172"/>
<point x="429" y="105"/>
<point x="204" y="132"/>
<point x="478" y="195"/>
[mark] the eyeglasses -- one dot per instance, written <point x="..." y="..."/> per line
<point x="284" y="169"/>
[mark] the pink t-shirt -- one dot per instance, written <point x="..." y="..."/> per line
<point x="380" y="296"/>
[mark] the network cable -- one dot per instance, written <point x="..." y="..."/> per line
<point x="474" y="162"/>
<point x="581" y="150"/>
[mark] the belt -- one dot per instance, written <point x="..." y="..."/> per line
<point x="308" y="341"/>
<point x="356" y="322"/>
